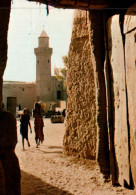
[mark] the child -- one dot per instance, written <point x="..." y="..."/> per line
<point x="25" y="121"/>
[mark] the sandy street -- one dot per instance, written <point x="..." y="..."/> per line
<point x="45" y="171"/>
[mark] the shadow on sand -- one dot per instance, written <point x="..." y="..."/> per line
<point x="55" y="147"/>
<point x="31" y="185"/>
<point x="50" y="152"/>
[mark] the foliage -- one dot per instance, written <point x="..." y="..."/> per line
<point x="60" y="73"/>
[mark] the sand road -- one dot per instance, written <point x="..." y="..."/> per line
<point x="46" y="171"/>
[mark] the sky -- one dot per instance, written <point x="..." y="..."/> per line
<point x="27" y="20"/>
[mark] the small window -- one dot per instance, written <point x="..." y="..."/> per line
<point x="58" y="95"/>
<point x="48" y="61"/>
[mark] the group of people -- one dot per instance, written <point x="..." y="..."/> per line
<point x="38" y="125"/>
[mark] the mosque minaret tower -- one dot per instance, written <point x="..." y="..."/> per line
<point x="43" y="68"/>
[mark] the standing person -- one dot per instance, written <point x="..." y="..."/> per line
<point x="19" y="107"/>
<point x="25" y="121"/>
<point x="50" y="108"/>
<point x="38" y="124"/>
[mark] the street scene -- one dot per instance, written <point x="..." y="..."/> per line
<point x="46" y="171"/>
<point x="67" y="97"/>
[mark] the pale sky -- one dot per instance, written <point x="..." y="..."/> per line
<point x="27" y="21"/>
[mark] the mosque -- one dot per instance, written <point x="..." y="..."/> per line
<point x="46" y="88"/>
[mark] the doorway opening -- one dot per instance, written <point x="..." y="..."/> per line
<point x="11" y="104"/>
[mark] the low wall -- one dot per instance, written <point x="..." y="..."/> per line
<point x="25" y="93"/>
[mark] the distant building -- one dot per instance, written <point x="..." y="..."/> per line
<point x="46" y="88"/>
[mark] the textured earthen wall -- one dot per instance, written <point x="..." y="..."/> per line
<point x="80" y="136"/>
<point x="25" y="93"/>
<point x="9" y="165"/>
<point x="116" y="57"/>
<point x="130" y="64"/>
<point x="122" y="56"/>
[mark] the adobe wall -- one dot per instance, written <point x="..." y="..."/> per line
<point x="57" y="86"/>
<point x="9" y="166"/>
<point x="81" y="132"/>
<point x="116" y="58"/>
<point x="122" y="55"/>
<point x="24" y="92"/>
<point x="129" y="31"/>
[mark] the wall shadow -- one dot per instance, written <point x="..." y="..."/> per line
<point x="31" y="185"/>
<point x="114" y="170"/>
<point x="50" y="152"/>
<point x="55" y="147"/>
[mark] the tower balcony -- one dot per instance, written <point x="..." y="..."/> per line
<point x="42" y="51"/>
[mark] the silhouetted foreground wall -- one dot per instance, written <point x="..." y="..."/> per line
<point x="9" y="165"/>
<point x="4" y="22"/>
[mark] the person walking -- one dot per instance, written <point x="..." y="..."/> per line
<point x="38" y="124"/>
<point x="24" y="122"/>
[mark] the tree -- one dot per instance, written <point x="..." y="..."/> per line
<point x="60" y="73"/>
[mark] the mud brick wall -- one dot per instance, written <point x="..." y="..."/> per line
<point x="9" y="165"/>
<point x="80" y="136"/>
<point x="129" y="31"/>
<point x="122" y="52"/>
<point x="122" y="56"/>
<point x="116" y="57"/>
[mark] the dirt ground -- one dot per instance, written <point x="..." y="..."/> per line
<point x="46" y="171"/>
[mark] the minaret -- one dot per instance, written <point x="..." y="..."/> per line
<point x="43" y="68"/>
